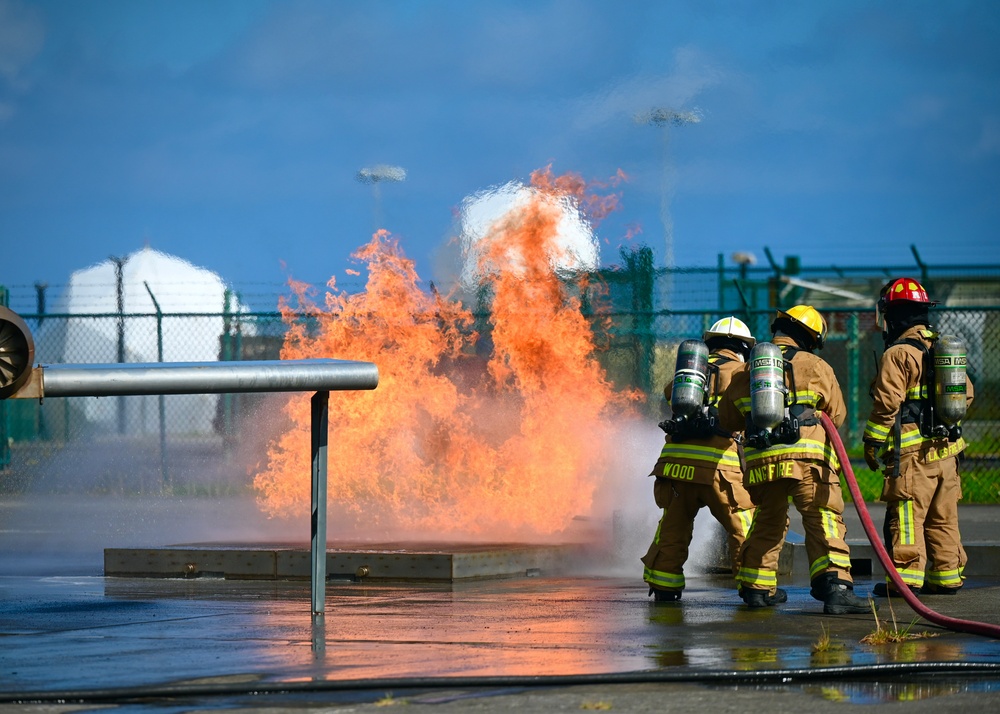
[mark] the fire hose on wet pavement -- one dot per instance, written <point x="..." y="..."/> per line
<point x="951" y="623"/>
<point x="488" y="686"/>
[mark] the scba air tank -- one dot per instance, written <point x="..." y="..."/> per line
<point x="689" y="393"/>
<point x="949" y="379"/>
<point x="767" y="385"/>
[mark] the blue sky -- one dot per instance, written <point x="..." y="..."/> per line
<point x="231" y="132"/>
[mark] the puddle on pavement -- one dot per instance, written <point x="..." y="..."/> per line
<point x="884" y="692"/>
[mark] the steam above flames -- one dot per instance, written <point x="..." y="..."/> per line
<point x="459" y="439"/>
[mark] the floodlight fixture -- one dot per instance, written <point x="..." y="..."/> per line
<point x="381" y="172"/>
<point x="662" y="116"/>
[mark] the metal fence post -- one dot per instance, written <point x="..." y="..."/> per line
<point x="120" y="292"/>
<point x="161" y="400"/>
<point x="320" y="424"/>
<point x="853" y="378"/>
<point x="227" y="355"/>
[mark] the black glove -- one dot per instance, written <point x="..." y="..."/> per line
<point x="871" y="456"/>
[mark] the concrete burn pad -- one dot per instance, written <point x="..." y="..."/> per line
<point x="379" y="562"/>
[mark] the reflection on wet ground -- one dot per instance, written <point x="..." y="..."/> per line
<point x="64" y="627"/>
<point x="886" y="691"/>
<point x="69" y="632"/>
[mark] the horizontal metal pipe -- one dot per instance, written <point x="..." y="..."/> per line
<point x="140" y="378"/>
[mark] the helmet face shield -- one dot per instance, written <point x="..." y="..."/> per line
<point x="880" y="311"/>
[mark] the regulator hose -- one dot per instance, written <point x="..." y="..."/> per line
<point x="951" y="623"/>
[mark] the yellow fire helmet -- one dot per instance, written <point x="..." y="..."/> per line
<point x="809" y="318"/>
<point x="730" y="327"/>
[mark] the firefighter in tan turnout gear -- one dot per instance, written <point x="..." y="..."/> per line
<point x="920" y="395"/>
<point x="790" y="458"/>
<point x="699" y="465"/>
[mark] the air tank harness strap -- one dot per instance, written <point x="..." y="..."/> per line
<point x="714" y="360"/>
<point x="911" y="411"/>
<point x="800" y="413"/>
<point x="806" y="416"/>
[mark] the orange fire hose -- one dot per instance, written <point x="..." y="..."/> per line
<point x="951" y="623"/>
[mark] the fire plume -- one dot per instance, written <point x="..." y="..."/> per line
<point x="454" y="442"/>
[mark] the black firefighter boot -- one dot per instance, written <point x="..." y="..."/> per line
<point x="762" y="598"/>
<point x="838" y="596"/>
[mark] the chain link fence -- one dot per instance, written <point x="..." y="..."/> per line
<point x="649" y="318"/>
<point x="180" y="443"/>
<point x="114" y="443"/>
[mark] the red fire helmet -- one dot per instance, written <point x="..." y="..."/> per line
<point x="897" y="292"/>
<point x="904" y="289"/>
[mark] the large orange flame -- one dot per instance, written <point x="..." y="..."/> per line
<point x="451" y="443"/>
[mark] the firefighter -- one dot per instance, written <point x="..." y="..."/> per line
<point x="919" y="459"/>
<point x="794" y="462"/>
<point x="700" y="469"/>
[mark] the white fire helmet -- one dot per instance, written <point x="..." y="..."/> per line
<point x="730" y="327"/>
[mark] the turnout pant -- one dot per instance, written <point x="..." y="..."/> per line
<point x="726" y="500"/>
<point x="921" y="521"/>
<point x="818" y="499"/>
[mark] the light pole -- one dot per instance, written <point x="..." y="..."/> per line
<point x="664" y="118"/>
<point x="375" y="175"/>
<point x="744" y="259"/>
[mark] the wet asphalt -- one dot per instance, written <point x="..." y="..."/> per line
<point x="72" y="639"/>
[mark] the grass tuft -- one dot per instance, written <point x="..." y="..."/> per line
<point x="824" y="643"/>
<point x="884" y="635"/>
<point x="389" y="701"/>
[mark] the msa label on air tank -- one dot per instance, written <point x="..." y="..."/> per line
<point x="767" y="363"/>
<point x="946" y="361"/>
